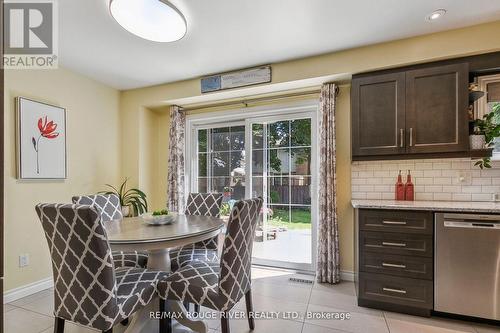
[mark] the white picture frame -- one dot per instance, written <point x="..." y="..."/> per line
<point x="40" y="140"/>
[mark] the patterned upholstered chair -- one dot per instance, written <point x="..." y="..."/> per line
<point x="205" y="204"/>
<point x="109" y="207"/>
<point x="87" y="289"/>
<point x="218" y="286"/>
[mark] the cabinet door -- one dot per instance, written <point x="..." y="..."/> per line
<point x="378" y="115"/>
<point x="436" y="109"/>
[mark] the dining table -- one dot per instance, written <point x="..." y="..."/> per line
<point x="135" y="234"/>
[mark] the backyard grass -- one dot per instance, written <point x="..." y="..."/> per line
<point x="301" y="219"/>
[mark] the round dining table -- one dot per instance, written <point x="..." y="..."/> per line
<point x="135" y="234"/>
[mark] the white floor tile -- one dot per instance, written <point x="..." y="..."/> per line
<point x="269" y="304"/>
<point x="43" y="305"/>
<point x="23" y="321"/>
<point x="308" y="328"/>
<point x="401" y="323"/>
<point x="358" y="323"/>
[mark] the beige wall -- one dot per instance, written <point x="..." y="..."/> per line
<point x="454" y="43"/>
<point x="93" y="142"/>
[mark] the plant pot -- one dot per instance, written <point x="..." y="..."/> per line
<point x="477" y="141"/>
<point x="125" y="211"/>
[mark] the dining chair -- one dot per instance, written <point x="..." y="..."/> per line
<point x="109" y="207"/>
<point x="88" y="289"/>
<point x="218" y="286"/>
<point x="204" y="204"/>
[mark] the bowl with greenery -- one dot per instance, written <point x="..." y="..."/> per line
<point x="158" y="217"/>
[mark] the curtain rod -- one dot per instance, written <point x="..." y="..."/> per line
<point x="245" y="102"/>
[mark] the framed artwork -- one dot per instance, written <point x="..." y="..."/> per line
<point x="41" y="140"/>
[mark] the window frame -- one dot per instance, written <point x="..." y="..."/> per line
<point x="481" y="105"/>
<point x="298" y="109"/>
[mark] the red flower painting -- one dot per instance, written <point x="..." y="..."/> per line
<point x="47" y="130"/>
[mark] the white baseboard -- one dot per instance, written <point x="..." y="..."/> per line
<point x="347" y="276"/>
<point x="26" y="290"/>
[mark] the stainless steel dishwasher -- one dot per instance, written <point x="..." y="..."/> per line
<point x="467" y="265"/>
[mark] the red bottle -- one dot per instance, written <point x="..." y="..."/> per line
<point x="409" y="188"/>
<point x="400" y="188"/>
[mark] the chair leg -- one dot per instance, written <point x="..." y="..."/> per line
<point x="248" y="301"/>
<point x="224" y="323"/>
<point x="165" y="320"/>
<point x="59" y="325"/>
<point x="197" y="308"/>
<point x="187" y="306"/>
<point x="124" y="322"/>
<point x="108" y="331"/>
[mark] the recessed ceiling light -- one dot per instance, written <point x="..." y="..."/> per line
<point x="436" y="14"/>
<point x="154" y="20"/>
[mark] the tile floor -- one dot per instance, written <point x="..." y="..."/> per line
<point x="273" y="292"/>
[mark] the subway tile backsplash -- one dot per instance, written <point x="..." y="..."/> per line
<point x="435" y="179"/>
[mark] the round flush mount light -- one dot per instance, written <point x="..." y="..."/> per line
<point x="435" y="14"/>
<point x="154" y="20"/>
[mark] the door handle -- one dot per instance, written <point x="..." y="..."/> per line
<point x="394" y="222"/>
<point x="411" y="136"/>
<point x="401" y="137"/>
<point x="394" y="244"/>
<point x="399" y="291"/>
<point x="385" y="264"/>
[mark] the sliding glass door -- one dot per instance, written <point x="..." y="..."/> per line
<point x="271" y="157"/>
<point x="280" y="169"/>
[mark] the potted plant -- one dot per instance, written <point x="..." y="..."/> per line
<point x="133" y="197"/>
<point x="489" y="127"/>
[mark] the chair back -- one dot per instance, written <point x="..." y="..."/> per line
<point x="82" y="265"/>
<point x="236" y="259"/>
<point x="108" y="205"/>
<point x="205" y="204"/>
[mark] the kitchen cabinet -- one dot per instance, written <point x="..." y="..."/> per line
<point x="410" y="113"/>
<point x="394" y="256"/>
<point x="378" y="115"/>
<point x="436" y="109"/>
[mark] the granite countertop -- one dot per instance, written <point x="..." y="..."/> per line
<point x="442" y="206"/>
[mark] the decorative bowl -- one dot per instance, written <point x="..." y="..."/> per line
<point x="149" y="218"/>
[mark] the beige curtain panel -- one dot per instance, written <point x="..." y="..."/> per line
<point x="328" y="267"/>
<point x="176" y="145"/>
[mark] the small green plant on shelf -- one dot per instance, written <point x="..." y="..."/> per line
<point x="133" y="197"/>
<point x="489" y="126"/>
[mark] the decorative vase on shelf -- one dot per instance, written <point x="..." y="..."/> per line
<point x="477" y="141"/>
<point x="125" y="211"/>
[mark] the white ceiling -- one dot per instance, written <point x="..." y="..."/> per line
<point x="230" y="34"/>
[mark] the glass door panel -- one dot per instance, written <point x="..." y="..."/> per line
<point x="281" y="174"/>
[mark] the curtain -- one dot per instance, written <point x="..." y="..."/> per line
<point x="328" y="266"/>
<point x="176" y="145"/>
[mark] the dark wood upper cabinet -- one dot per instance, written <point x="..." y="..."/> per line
<point x="378" y="115"/>
<point x="408" y="112"/>
<point x="436" y="109"/>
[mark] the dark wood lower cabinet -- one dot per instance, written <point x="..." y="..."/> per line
<point x="395" y="263"/>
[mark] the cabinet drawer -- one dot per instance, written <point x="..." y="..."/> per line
<point x="394" y="243"/>
<point x="406" y="266"/>
<point x="396" y="290"/>
<point x="396" y="221"/>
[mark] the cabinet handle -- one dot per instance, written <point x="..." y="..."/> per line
<point x="399" y="291"/>
<point x="394" y="222"/>
<point x="401" y="137"/>
<point x="411" y="136"/>
<point x="385" y="264"/>
<point x="394" y="244"/>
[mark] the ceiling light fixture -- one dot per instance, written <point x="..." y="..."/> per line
<point x="436" y="14"/>
<point x="154" y="20"/>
